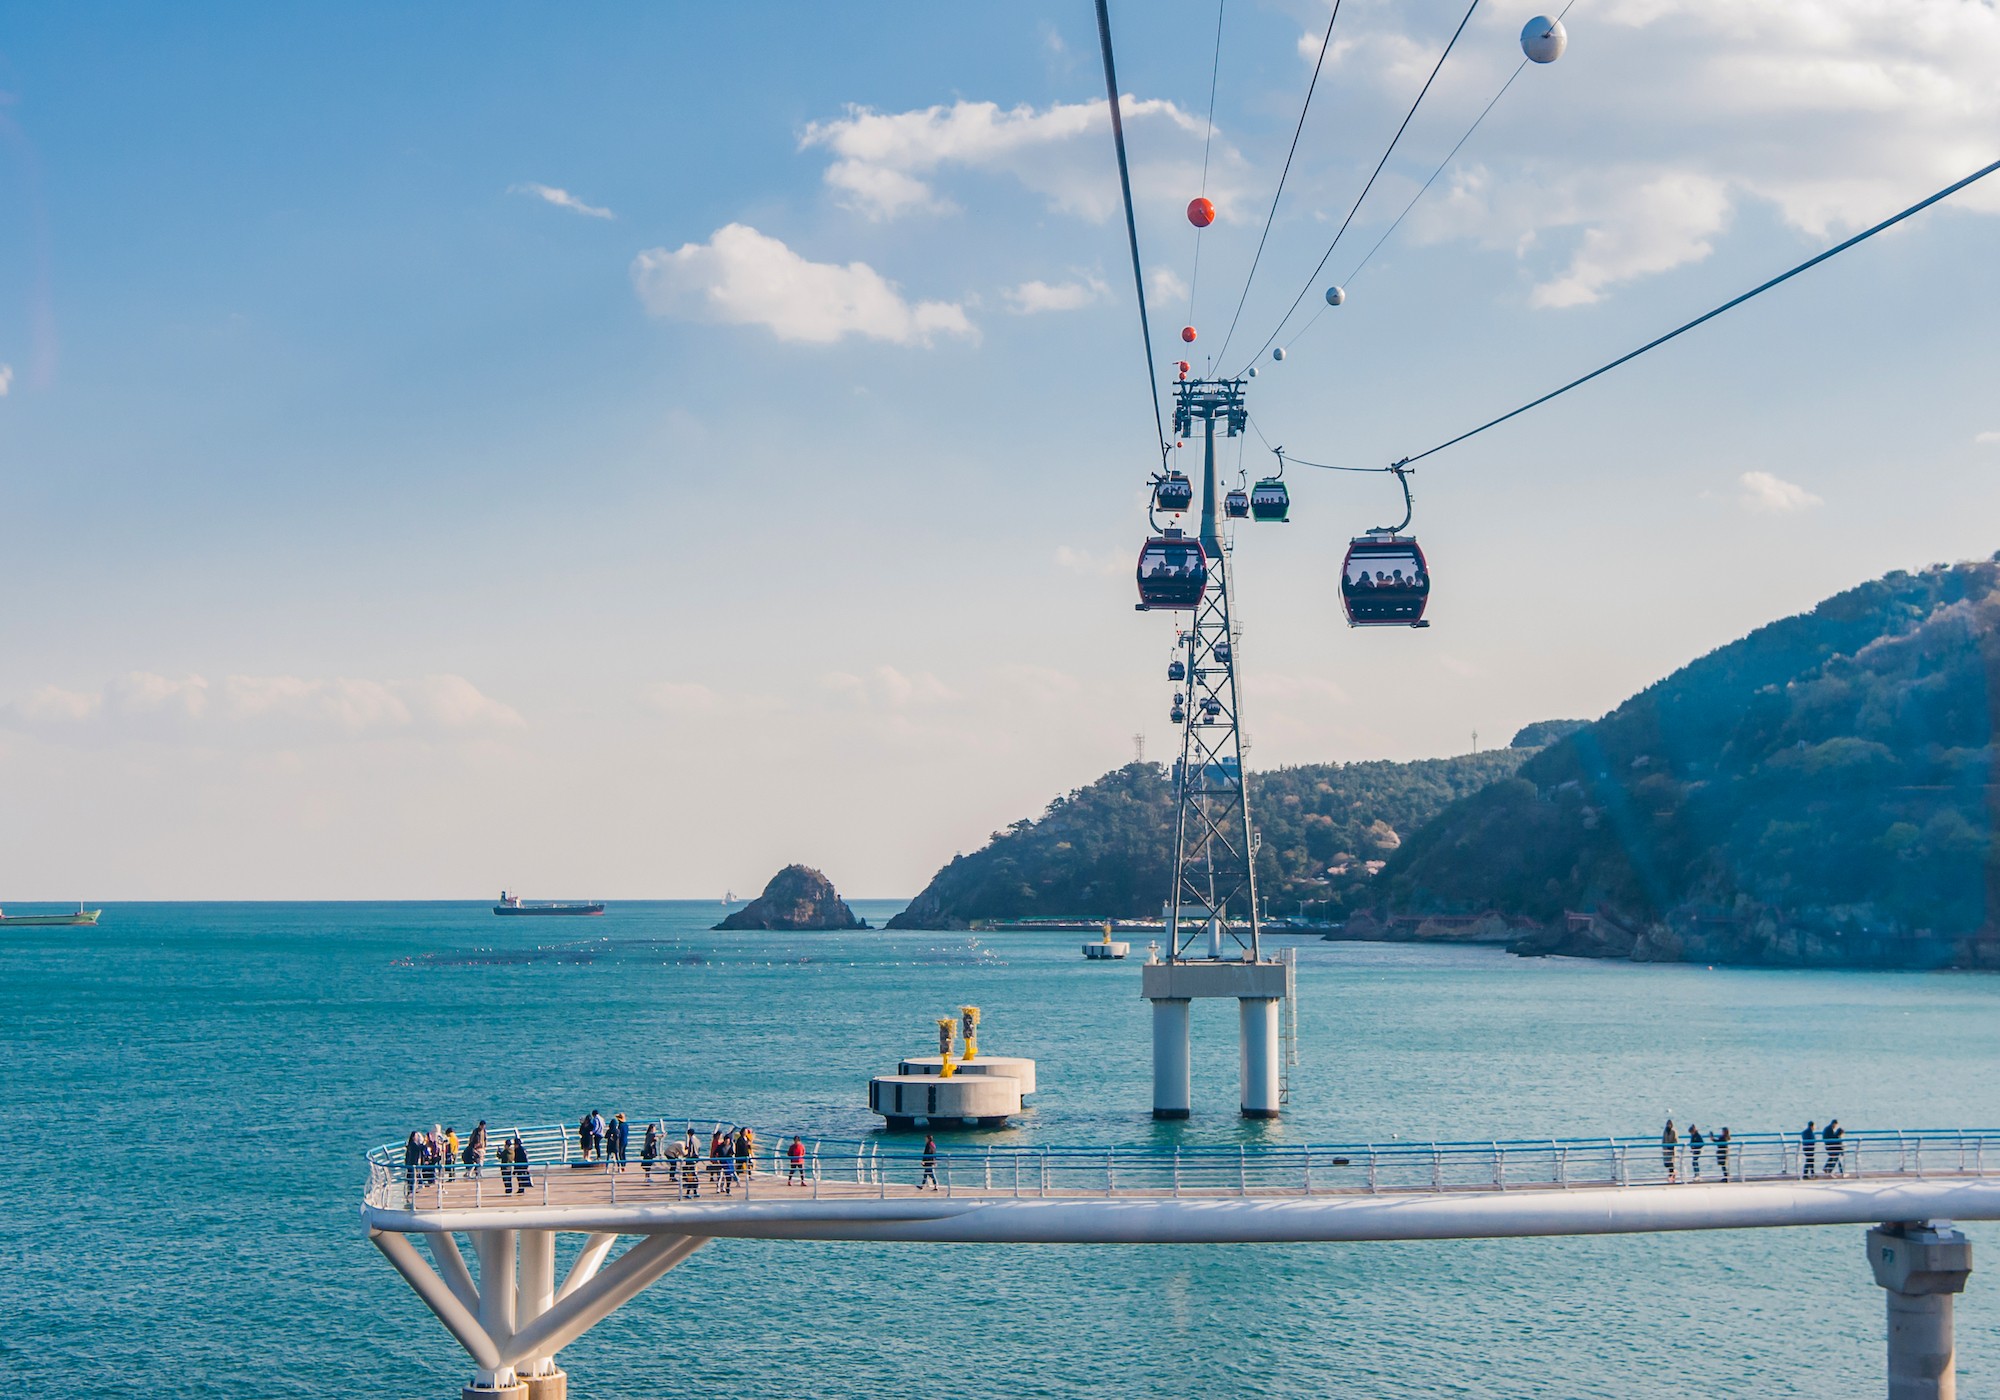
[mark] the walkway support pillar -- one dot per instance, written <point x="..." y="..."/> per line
<point x="1173" y="1058"/>
<point x="545" y="1380"/>
<point x="1920" y="1264"/>
<point x="1260" y="1055"/>
<point x="496" y="1314"/>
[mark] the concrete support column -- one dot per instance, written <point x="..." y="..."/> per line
<point x="496" y="1312"/>
<point x="544" y="1379"/>
<point x="1920" y="1264"/>
<point x="1261" y="1057"/>
<point x="1173" y="1058"/>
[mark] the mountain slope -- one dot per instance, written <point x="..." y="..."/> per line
<point x="1819" y="791"/>
<point x="1106" y="850"/>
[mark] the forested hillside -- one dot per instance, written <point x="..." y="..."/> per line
<point x="1106" y="850"/>
<point x="1820" y="792"/>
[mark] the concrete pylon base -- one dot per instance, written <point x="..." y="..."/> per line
<point x="553" y="1386"/>
<point x="516" y="1391"/>
<point x="1920" y="1264"/>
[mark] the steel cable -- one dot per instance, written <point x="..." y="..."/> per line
<point x="1324" y="45"/>
<point x="1736" y="301"/>
<point x="1131" y="223"/>
<point x="1314" y="276"/>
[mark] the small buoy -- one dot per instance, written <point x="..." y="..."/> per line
<point x="1278" y="353"/>
<point x="1544" y="39"/>
<point x="1201" y="211"/>
<point x="1187" y="334"/>
<point x="1335" y="295"/>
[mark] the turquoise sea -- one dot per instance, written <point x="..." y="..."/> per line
<point x="189" y="1089"/>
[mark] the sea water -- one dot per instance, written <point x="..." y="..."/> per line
<point x="189" y="1090"/>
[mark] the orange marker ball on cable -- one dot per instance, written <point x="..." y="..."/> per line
<point x="1187" y="334"/>
<point x="1201" y="211"/>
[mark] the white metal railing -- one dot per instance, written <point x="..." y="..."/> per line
<point x="556" y="1173"/>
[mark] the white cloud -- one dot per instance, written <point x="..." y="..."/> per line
<point x="142" y="704"/>
<point x="1987" y="439"/>
<point x="745" y="278"/>
<point x="1034" y="296"/>
<point x="887" y="688"/>
<point x="562" y="199"/>
<point x="1164" y="284"/>
<point x="1082" y="561"/>
<point x="1772" y="495"/>
<point x="1041" y="685"/>
<point x="1660" y="224"/>
<point x="883" y="162"/>
<point x="6" y="379"/>
<point x="1830" y="113"/>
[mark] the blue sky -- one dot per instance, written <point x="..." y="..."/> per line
<point x="620" y="451"/>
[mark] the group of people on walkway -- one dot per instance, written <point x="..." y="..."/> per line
<point x="427" y="1156"/>
<point x="1833" y="1138"/>
<point x="1813" y="1141"/>
<point x="602" y="1140"/>
<point x="1697" y="1143"/>
<point x="728" y="1155"/>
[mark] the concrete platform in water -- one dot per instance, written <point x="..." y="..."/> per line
<point x="986" y="1099"/>
<point x="1018" y="1068"/>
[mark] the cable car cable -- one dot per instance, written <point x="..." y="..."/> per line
<point x="1131" y="224"/>
<point x="1314" y="277"/>
<point x="1443" y="165"/>
<point x="1215" y="71"/>
<point x="1324" y="45"/>
<point x="1813" y="261"/>
<point x="1287" y="459"/>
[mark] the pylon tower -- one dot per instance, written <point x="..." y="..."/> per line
<point x="1214" y="858"/>
<point x="1213" y="946"/>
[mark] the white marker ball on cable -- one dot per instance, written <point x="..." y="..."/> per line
<point x="1253" y="371"/>
<point x="1335" y="295"/>
<point x="1544" y="39"/>
<point x="1278" y="353"/>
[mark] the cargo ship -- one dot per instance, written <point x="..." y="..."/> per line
<point x="81" y="916"/>
<point x="514" y="904"/>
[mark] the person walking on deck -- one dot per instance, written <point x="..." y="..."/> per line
<point x="1832" y="1138"/>
<point x="1695" y="1141"/>
<point x="507" y="1166"/>
<point x="475" y="1151"/>
<point x="746" y="1152"/>
<point x="797" y="1156"/>
<point x="1670" y="1142"/>
<point x="930" y="1164"/>
<point x="621" y="1137"/>
<point x="1722" y="1153"/>
<point x="413" y="1156"/>
<point x="583" y="1137"/>
<point x="649" y="1150"/>
<point x="1809" y="1149"/>
<point x="451" y="1154"/>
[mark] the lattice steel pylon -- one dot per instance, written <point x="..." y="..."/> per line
<point x="1214" y="852"/>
